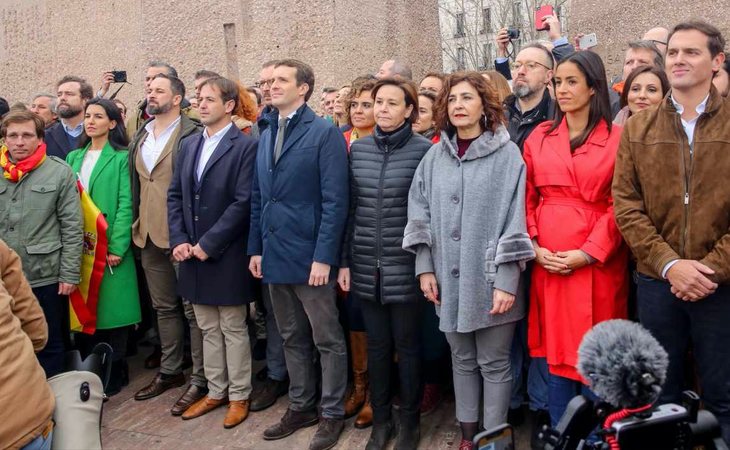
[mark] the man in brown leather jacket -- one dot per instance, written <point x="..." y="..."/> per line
<point x="672" y="204"/>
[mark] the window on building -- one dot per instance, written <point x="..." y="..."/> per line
<point x="486" y="20"/>
<point x="460" y="58"/>
<point x="460" y="22"/>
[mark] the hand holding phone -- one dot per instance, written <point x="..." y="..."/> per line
<point x="540" y="14"/>
<point x="587" y="41"/>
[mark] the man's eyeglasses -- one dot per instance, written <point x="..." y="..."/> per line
<point x="530" y="65"/>
<point x="262" y="83"/>
<point x="657" y="42"/>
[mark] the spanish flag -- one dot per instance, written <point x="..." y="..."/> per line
<point x="93" y="262"/>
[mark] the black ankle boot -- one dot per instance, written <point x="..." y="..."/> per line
<point x="119" y="377"/>
<point x="380" y="435"/>
<point x="409" y="434"/>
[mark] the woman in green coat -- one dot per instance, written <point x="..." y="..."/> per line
<point x="101" y="164"/>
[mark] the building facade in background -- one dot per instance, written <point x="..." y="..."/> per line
<point x="469" y="29"/>
<point x="42" y="40"/>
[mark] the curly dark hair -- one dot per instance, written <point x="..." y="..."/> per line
<point x="493" y="110"/>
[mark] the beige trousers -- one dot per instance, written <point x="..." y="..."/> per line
<point x="226" y="350"/>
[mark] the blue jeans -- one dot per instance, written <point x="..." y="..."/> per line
<point x="674" y="323"/>
<point x="561" y="391"/>
<point x="40" y="443"/>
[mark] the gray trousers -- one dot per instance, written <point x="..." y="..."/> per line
<point x="161" y="275"/>
<point x="275" y="359"/>
<point x="307" y="317"/>
<point x="226" y="350"/>
<point x="481" y="359"/>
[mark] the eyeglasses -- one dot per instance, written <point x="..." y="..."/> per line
<point x="261" y="83"/>
<point x="657" y="42"/>
<point x="530" y="65"/>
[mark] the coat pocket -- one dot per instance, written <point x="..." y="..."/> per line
<point x="44" y="260"/>
<point x="490" y="266"/>
<point x="43" y="196"/>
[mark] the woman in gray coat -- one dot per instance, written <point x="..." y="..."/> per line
<point x="466" y="225"/>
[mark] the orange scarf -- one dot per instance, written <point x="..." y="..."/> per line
<point x="16" y="171"/>
<point x="619" y="87"/>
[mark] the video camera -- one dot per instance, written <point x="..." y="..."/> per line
<point x="625" y="366"/>
<point x="667" y="426"/>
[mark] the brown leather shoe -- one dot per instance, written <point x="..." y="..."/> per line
<point x="365" y="417"/>
<point x="192" y="394"/>
<point x="159" y="385"/>
<point x="203" y="406"/>
<point x="237" y="413"/>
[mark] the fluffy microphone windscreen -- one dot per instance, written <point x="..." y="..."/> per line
<point x="623" y="363"/>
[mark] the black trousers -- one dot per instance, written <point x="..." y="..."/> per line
<point x="674" y="323"/>
<point x="55" y="308"/>
<point x="389" y="327"/>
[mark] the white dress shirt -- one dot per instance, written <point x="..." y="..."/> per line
<point x="152" y="146"/>
<point x="689" y="130"/>
<point x="210" y="143"/>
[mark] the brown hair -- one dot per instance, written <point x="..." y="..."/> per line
<point x="658" y="71"/>
<point x="359" y="85"/>
<point x="493" y="112"/>
<point x="304" y="74"/>
<point x="409" y="89"/>
<point x="227" y="88"/>
<point x="22" y="116"/>
<point x="85" y="89"/>
<point x="438" y="75"/>
<point x="500" y="83"/>
<point x="715" y="41"/>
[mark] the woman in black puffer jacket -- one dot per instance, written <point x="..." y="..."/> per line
<point x="375" y="268"/>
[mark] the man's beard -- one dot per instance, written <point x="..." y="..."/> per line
<point x="154" y="110"/>
<point x="522" y="91"/>
<point x="68" y="112"/>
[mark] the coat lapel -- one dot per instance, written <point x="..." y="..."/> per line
<point x="299" y="129"/>
<point x="224" y="146"/>
<point x="559" y="142"/>
<point x="107" y="154"/>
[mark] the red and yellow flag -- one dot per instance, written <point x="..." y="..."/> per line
<point x="93" y="262"/>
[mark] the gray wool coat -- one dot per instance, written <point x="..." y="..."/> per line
<point x="466" y="223"/>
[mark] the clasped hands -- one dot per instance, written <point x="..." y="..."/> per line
<point x="563" y="263"/>
<point x="689" y="280"/>
<point x="186" y="251"/>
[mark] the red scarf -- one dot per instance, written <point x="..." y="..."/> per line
<point x="16" y="171"/>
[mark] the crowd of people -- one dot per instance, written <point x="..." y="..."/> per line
<point x="484" y="221"/>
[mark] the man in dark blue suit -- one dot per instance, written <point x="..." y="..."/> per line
<point x="298" y="212"/>
<point x="72" y="95"/>
<point x="209" y="205"/>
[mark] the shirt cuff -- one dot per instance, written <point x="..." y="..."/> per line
<point x="667" y="267"/>
<point x="501" y="60"/>
<point x="560" y="41"/>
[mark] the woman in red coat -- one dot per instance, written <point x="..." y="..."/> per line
<point x="580" y="277"/>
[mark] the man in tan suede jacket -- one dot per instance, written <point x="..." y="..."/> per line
<point x="29" y="402"/>
<point x="672" y="204"/>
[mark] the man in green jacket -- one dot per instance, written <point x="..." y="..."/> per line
<point x="40" y="218"/>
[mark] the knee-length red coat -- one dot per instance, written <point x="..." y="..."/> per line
<point x="569" y="206"/>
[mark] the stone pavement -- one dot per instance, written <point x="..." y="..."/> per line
<point x="129" y="424"/>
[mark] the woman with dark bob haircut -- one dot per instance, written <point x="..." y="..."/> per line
<point x="102" y="167"/>
<point x="645" y="87"/>
<point x="581" y="275"/>
<point x="466" y="225"/>
<point x="376" y="269"/>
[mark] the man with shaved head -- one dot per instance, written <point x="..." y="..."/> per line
<point x="659" y="36"/>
